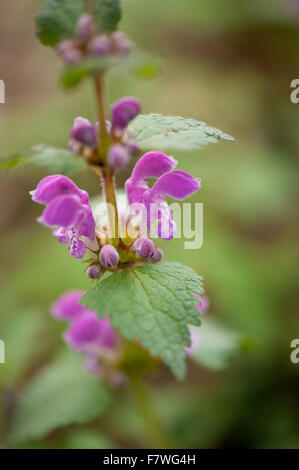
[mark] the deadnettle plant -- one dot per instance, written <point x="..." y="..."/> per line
<point x="136" y="299"/>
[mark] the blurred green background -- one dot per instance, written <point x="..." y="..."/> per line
<point x="228" y="63"/>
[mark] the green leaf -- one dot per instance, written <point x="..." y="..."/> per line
<point x="141" y="64"/>
<point x="108" y="14"/>
<point x="156" y="131"/>
<point x="58" y="18"/>
<point x="62" y="394"/>
<point x="73" y="75"/>
<point x="54" y="159"/>
<point x="22" y="343"/>
<point x="153" y="303"/>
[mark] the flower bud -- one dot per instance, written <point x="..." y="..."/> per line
<point x="157" y="256"/>
<point x="109" y="256"/>
<point x="143" y="247"/>
<point x="132" y="147"/>
<point x="84" y="132"/>
<point x="118" y="157"/>
<point x="123" y="111"/>
<point x="68" y="51"/>
<point x="121" y="43"/>
<point x="94" y="271"/>
<point x="100" y="46"/>
<point x="85" y="26"/>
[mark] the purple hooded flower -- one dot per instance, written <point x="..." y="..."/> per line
<point x="90" y="334"/>
<point x="84" y="132"/>
<point x="176" y="184"/>
<point x="67" y="306"/>
<point x="87" y="333"/>
<point x="123" y="111"/>
<point x="151" y="165"/>
<point x="67" y="208"/>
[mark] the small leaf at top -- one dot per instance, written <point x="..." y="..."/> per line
<point x="108" y="14"/>
<point x="58" y="19"/>
<point x="152" y="303"/>
<point x="156" y="131"/>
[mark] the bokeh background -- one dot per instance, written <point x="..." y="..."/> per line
<point x="229" y="64"/>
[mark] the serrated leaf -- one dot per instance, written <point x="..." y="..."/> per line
<point x="56" y="160"/>
<point x="58" y="19"/>
<point x="62" y="394"/>
<point x="153" y="303"/>
<point x="141" y="64"/>
<point x="156" y="131"/>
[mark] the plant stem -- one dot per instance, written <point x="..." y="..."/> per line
<point x="89" y="6"/>
<point x="108" y="186"/>
<point x="105" y="172"/>
<point x="103" y="134"/>
<point x="155" y="433"/>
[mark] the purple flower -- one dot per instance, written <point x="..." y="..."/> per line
<point x="84" y="132"/>
<point x="94" y="271"/>
<point x="109" y="256"/>
<point x="122" y="44"/>
<point x="67" y="208"/>
<point x="157" y="256"/>
<point x="68" y="51"/>
<point x="123" y="111"/>
<point x="118" y="157"/>
<point x="90" y="334"/>
<point x="100" y="46"/>
<point x="151" y="165"/>
<point x="67" y="306"/>
<point x="176" y="184"/>
<point x="54" y="185"/>
<point x="85" y="26"/>
<point x="87" y="333"/>
<point x="143" y="247"/>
